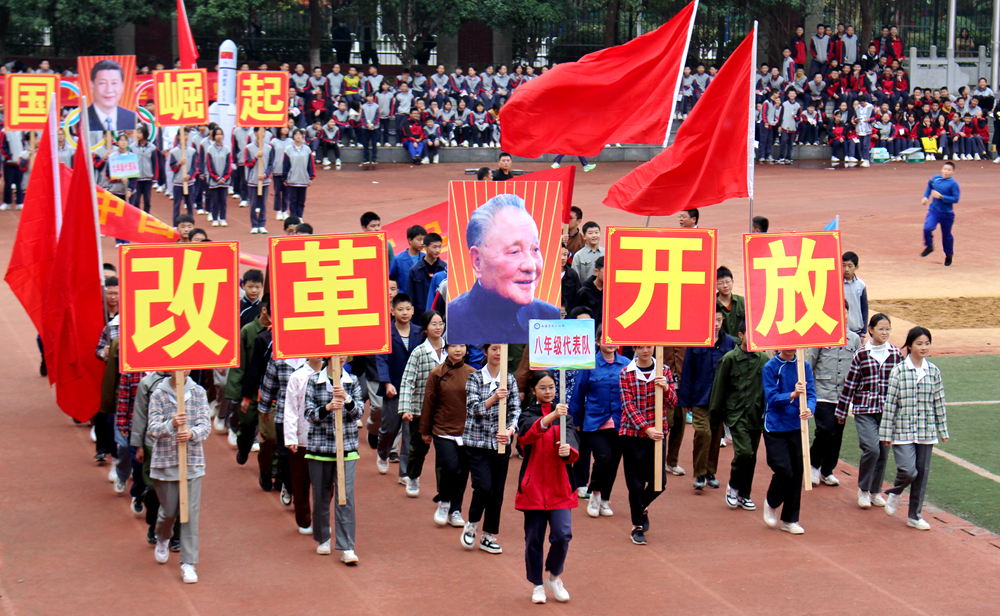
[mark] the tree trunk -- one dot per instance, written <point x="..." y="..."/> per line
<point x="4" y="23"/>
<point x="867" y="23"/>
<point x="315" y="32"/>
<point x="611" y="23"/>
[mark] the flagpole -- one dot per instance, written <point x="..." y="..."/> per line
<point x="753" y="112"/>
<point x="680" y="76"/>
<point x="56" y="170"/>
<point x="92" y="189"/>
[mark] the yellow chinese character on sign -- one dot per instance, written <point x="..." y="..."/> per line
<point x="30" y="99"/>
<point x="180" y="95"/>
<point x="182" y="302"/>
<point x="648" y="277"/>
<point x="149" y="224"/>
<point x="109" y="204"/>
<point x="813" y="296"/>
<point x="336" y="291"/>
<point x="262" y="100"/>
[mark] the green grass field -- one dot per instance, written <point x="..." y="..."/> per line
<point x="975" y="437"/>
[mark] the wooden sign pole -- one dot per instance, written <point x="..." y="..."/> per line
<point x="338" y="420"/>
<point x="183" y="135"/>
<point x="260" y="168"/>
<point x="502" y="421"/>
<point x="658" y="445"/>
<point x="800" y="362"/>
<point x="562" y="400"/>
<point x="182" y="450"/>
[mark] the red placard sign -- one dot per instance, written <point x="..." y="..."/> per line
<point x="795" y="290"/>
<point x="181" y="97"/>
<point x="659" y="286"/>
<point x="27" y="102"/>
<point x="329" y="295"/>
<point x="261" y="98"/>
<point x="179" y="306"/>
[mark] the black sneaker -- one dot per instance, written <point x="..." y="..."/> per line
<point x="175" y="544"/>
<point x="713" y="482"/>
<point x="927" y="251"/>
<point x="947" y="260"/>
<point x="394" y="458"/>
<point x="373" y="440"/>
<point x="699" y="483"/>
<point x="100" y="458"/>
<point x="489" y="544"/>
<point x="137" y="508"/>
<point x="42" y="370"/>
<point x="645" y="521"/>
<point x="241" y="458"/>
<point x="638" y="536"/>
<point x="265" y="483"/>
<point x="151" y="535"/>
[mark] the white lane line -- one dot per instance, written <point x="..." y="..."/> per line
<point x="982" y="472"/>
<point x="972" y="403"/>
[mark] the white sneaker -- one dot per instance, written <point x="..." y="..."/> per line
<point x="831" y="480"/>
<point x="770" y="515"/>
<point x="381" y="465"/>
<point x="232" y="439"/>
<point x="892" y="504"/>
<point x="441" y="515"/>
<point x="255" y="447"/>
<point x="997" y="160"/>
<point x="475" y="145"/>
<point x="253" y="230"/>
<point x="210" y="219"/>
<point x="834" y="159"/>
<point x="851" y="159"/>
<point x="455" y="519"/>
<point x="308" y="530"/>
<point x="113" y="472"/>
<point x="425" y="161"/>
<point x="920" y="524"/>
<point x="202" y="212"/>
<point x="4" y="207"/>
<point x="930" y="157"/>
<point x="162" y="551"/>
<point x="188" y="574"/>
<point x="793" y="528"/>
<point x="262" y="230"/>
<point x="403" y="481"/>
<point x="864" y="163"/>
<point x="223" y="223"/>
<point x="558" y="590"/>
<point x="555" y="165"/>
<point x="581" y="492"/>
<point x="348" y="557"/>
<point x="215" y="223"/>
<point x="286" y="496"/>
<point x="323" y="549"/>
<point x="413" y="487"/>
<point x="326" y="161"/>
<point x="864" y="499"/>
<point x="468" y="537"/>
<point x="878" y="501"/>
<point x="815" y="476"/>
<point x="437" y="159"/>
<point x="675" y="470"/>
<point x="538" y="594"/>
<point x="465" y="143"/>
<point x="594" y="505"/>
<point x="454" y="143"/>
<point x="243" y="203"/>
<point x="606" y="509"/>
<point x="159" y="189"/>
<point x="976" y="157"/>
<point x="119" y="487"/>
<point x="722" y="442"/>
<point x="93" y="434"/>
<point x="337" y="164"/>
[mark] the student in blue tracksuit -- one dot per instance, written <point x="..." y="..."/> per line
<point x="783" y="437"/>
<point x="940" y="198"/>
<point x="401" y="263"/>
<point x="596" y="407"/>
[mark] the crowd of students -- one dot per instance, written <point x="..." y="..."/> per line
<point x="855" y="98"/>
<point x="427" y="391"/>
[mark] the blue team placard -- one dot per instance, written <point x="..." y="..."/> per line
<point x="566" y="344"/>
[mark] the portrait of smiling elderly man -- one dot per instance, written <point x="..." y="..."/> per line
<point x="506" y="257"/>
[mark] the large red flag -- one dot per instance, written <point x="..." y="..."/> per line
<point x="623" y="94"/>
<point x="35" y="245"/>
<point x="711" y="158"/>
<point x="566" y="175"/>
<point x="185" y="40"/>
<point x="73" y="317"/>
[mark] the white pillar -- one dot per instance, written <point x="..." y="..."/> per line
<point x="950" y="54"/>
<point x="995" y="53"/>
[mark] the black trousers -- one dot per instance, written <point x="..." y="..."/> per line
<point x="143" y="192"/>
<point x="606" y="446"/>
<point x="638" y="456"/>
<point x="488" y="470"/>
<point x="784" y="456"/>
<point x="104" y="430"/>
<point x="454" y="473"/>
<point x="825" y="451"/>
<point x="418" y="450"/>
<point x="581" y="468"/>
<point x="12" y="175"/>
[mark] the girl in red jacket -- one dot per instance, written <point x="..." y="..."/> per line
<point x="545" y="489"/>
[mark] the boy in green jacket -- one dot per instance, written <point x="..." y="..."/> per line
<point x="244" y="409"/>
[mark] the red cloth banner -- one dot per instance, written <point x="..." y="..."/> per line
<point x="795" y="290"/>
<point x="329" y="295"/>
<point x="659" y="286"/>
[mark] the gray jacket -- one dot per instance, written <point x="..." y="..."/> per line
<point x="140" y="410"/>
<point x="830" y="366"/>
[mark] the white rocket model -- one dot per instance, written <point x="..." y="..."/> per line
<point x="223" y="110"/>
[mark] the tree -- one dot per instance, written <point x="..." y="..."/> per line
<point x="527" y="21"/>
<point x="315" y="32"/>
<point x="84" y="25"/>
<point x="409" y="24"/>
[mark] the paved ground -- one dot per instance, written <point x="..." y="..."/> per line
<point x="69" y="545"/>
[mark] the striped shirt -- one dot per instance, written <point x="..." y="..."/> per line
<point x="322" y="426"/>
<point x="914" y="409"/>
<point x="275" y="384"/>
<point x="639" y="399"/>
<point x="414" y="381"/>
<point x="867" y="382"/>
<point x="481" y="422"/>
<point x="162" y="408"/>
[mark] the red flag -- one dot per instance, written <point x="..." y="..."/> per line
<point x="35" y="245"/>
<point x="711" y="159"/>
<point x="185" y="40"/>
<point x="566" y="175"/>
<point x="623" y="94"/>
<point x="73" y="317"/>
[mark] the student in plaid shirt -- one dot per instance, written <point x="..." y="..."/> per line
<point x="429" y="355"/>
<point x="487" y="467"/>
<point x="914" y="417"/>
<point x="323" y="398"/>
<point x="167" y="428"/>
<point x="273" y="387"/>
<point x="640" y="436"/>
<point x="865" y="389"/>
<point x="127" y="386"/>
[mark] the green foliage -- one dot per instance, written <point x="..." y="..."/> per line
<point x="86" y="26"/>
